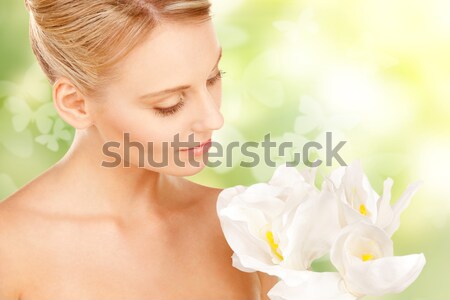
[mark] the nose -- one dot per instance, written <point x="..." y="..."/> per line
<point x="207" y="116"/>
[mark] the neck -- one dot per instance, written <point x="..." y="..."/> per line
<point x="115" y="191"/>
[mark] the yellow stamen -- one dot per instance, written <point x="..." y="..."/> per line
<point x="367" y="256"/>
<point x="273" y="245"/>
<point x="363" y="210"/>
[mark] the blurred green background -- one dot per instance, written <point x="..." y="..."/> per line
<point x="376" y="73"/>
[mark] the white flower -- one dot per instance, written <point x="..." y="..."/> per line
<point x="278" y="227"/>
<point x="363" y="255"/>
<point x="282" y="226"/>
<point x="358" y="201"/>
<point x="316" y="286"/>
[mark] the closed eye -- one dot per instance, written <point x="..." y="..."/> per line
<point x="216" y="78"/>
<point x="165" y="112"/>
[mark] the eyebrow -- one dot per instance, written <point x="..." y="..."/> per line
<point x="178" y="88"/>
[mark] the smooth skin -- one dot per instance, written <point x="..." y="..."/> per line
<point x="83" y="231"/>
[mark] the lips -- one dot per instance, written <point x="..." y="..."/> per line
<point x="208" y="142"/>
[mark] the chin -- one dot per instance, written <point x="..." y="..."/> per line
<point x="178" y="171"/>
<point x="188" y="171"/>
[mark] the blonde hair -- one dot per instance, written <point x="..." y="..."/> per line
<point x="83" y="40"/>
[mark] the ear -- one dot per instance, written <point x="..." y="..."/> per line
<point x="70" y="104"/>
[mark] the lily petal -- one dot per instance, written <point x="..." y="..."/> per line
<point x="291" y="277"/>
<point x="397" y="208"/>
<point x="318" y="286"/>
<point x="312" y="231"/>
<point x="386" y="275"/>
<point x="363" y="255"/>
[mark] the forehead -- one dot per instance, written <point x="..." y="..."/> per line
<point x="172" y="54"/>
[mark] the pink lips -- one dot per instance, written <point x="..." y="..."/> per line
<point x="199" y="149"/>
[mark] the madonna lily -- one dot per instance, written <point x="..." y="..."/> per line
<point x="358" y="200"/>
<point x="316" y="286"/>
<point x="278" y="227"/>
<point x="363" y="255"/>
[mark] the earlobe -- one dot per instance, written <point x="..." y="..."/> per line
<point x="70" y="104"/>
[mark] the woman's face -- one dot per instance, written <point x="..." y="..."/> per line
<point x="169" y="85"/>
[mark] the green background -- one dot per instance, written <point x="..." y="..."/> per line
<point x="375" y="73"/>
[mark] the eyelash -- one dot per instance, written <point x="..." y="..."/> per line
<point x="165" y="112"/>
<point x="219" y="75"/>
<point x="169" y="111"/>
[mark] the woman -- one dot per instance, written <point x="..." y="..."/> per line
<point x="140" y="71"/>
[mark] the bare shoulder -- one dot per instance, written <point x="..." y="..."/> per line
<point x="15" y="216"/>
<point x="27" y="215"/>
<point x="20" y="232"/>
<point x="14" y="232"/>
